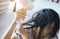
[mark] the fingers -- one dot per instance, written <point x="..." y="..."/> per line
<point x="21" y="13"/>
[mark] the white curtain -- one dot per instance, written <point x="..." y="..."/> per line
<point x="4" y="6"/>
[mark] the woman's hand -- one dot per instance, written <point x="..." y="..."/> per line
<point x="23" y="33"/>
<point x="27" y="4"/>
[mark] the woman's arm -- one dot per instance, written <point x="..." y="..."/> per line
<point x="9" y="32"/>
<point x="20" y="15"/>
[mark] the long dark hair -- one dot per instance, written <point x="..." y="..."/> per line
<point x="42" y="18"/>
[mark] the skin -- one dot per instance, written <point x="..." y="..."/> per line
<point x="23" y="33"/>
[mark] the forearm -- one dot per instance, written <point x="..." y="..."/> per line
<point x="10" y="31"/>
<point x="20" y="15"/>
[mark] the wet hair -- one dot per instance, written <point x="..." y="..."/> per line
<point x="42" y="18"/>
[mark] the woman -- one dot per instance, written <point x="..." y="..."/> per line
<point x="44" y="25"/>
